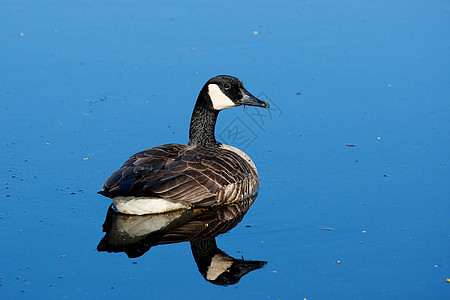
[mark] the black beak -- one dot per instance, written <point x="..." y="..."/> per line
<point x="249" y="99"/>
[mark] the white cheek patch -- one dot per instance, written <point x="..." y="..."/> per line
<point x="219" y="99"/>
<point x="219" y="264"/>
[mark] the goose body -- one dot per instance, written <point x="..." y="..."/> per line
<point x="203" y="173"/>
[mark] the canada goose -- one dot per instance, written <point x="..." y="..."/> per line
<point x="135" y="235"/>
<point x="203" y="173"/>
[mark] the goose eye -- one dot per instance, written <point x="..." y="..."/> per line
<point x="226" y="86"/>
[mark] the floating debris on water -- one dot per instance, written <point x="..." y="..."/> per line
<point x="326" y="228"/>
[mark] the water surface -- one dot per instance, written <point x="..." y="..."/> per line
<point x="353" y="157"/>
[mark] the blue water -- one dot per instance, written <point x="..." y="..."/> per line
<point x="353" y="157"/>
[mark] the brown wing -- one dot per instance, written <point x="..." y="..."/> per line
<point x="201" y="176"/>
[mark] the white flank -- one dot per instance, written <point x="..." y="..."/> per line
<point x="136" y="226"/>
<point x="219" y="99"/>
<point x="219" y="264"/>
<point x="142" y="206"/>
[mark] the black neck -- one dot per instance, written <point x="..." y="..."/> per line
<point x="203" y="122"/>
<point x="203" y="252"/>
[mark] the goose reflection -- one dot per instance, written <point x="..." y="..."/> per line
<point x="135" y="235"/>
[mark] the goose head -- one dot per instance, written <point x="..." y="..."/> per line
<point x="228" y="91"/>
<point x="217" y="94"/>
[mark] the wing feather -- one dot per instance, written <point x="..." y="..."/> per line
<point x="186" y="173"/>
